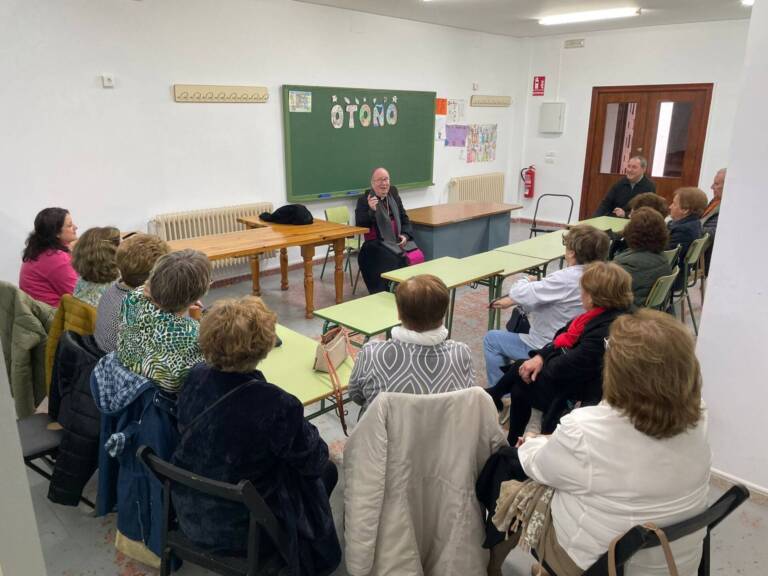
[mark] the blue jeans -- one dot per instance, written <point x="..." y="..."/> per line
<point x="502" y="347"/>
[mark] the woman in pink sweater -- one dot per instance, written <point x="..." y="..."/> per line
<point x="46" y="269"/>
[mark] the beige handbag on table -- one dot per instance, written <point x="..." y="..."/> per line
<point x="332" y="350"/>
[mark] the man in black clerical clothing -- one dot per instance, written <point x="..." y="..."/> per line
<point x="616" y="202"/>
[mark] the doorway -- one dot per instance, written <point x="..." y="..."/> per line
<point x="666" y="124"/>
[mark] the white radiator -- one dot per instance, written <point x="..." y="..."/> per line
<point x="478" y="188"/>
<point x="181" y="225"/>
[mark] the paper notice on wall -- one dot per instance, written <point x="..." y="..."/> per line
<point x="481" y="143"/>
<point x="457" y="111"/>
<point x="440" y="128"/>
<point x="441" y="106"/>
<point x="455" y="136"/>
<point x="299" y="101"/>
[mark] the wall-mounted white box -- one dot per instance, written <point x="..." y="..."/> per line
<point x="552" y="117"/>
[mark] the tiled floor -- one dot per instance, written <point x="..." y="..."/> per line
<point x="77" y="544"/>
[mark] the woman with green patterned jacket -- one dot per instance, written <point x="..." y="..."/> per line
<point x="158" y="334"/>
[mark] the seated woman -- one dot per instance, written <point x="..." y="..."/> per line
<point x="93" y="258"/>
<point x="568" y="369"/>
<point x="389" y="242"/>
<point x="646" y="236"/>
<point x="46" y="270"/>
<point x="650" y="200"/>
<point x="158" y="337"/>
<point x="652" y="410"/>
<point x="236" y="426"/>
<point x="417" y="359"/>
<point x="549" y="302"/>
<point x="686" y="209"/>
<point x="135" y="257"/>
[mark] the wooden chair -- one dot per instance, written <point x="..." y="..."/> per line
<point x="340" y="215"/>
<point x="174" y="542"/>
<point x="658" y="297"/>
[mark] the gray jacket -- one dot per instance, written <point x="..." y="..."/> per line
<point x="645" y="268"/>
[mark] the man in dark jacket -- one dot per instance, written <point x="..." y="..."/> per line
<point x="616" y="201"/>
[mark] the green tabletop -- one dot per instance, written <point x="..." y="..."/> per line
<point x="368" y="315"/>
<point x="606" y="223"/>
<point x="290" y="368"/>
<point x="545" y="247"/>
<point x="508" y="262"/>
<point x="453" y="271"/>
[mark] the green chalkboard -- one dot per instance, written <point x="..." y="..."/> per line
<point x="334" y="137"/>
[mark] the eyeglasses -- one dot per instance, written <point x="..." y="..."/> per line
<point x="607" y="342"/>
<point x="381" y="180"/>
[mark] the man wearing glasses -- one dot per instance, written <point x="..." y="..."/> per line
<point x="389" y="242"/>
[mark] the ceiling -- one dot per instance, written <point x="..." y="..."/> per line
<point x="519" y="17"/>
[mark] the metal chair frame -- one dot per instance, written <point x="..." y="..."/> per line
<point x="691" y="270"/>
<point x="349" y="250"/>
<point x="640" y="538"/>
<point x="536" y="229"/>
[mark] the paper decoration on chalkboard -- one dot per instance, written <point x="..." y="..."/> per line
<point x="299" y="101"/>
<point x="456" y="135"/>
<point x="481" y="143"/>
<point x="457" y="111"/>
<point x="441" y="106"/>
<point x="211" y="94"/>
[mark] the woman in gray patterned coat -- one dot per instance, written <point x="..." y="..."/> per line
<point x="419" y="359"/>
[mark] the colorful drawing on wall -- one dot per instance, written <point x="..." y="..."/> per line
<point x="299" y="101"/>
<point x="441" y="106"/>
<point x="457" y="111"/>
<point x="456" y="135"/>
<point x="481" y="143"/>
<point x="440" y="128"/>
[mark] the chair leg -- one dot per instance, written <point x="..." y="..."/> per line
<point x="327" y="252"/>
<point x="357" y="279"/>
<point x="348" y="266"/>
<point x="693" y="316"/>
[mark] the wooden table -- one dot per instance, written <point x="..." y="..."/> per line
<point x="268" y="237"/>
<point x="290" y="367"/>
<point x="461" y="229"/>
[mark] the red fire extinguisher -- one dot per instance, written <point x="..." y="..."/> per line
<point x="528" y="176"/>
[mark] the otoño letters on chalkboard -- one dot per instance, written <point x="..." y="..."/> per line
<point x="367" y="114"/>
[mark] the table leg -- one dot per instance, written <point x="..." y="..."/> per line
<point x="255" y="275"/>
<point x="492" y="291"/>
<point x="338" y="275"/>
<point x="308" y="253"/>
<point x="283" y="269"/>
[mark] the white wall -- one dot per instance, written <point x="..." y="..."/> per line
<point x="701" y="52"/>
<point x="120" y="156"/>
<point x="731" y="344"/>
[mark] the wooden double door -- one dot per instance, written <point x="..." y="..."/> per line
<point x="666" y="124"/>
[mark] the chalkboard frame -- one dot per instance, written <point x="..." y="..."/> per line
<point x="355" y="188"/>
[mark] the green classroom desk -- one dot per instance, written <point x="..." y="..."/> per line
<point x="452" y="271"/>
<point x="546" y="247"/>
<point x="606" y="223"/>
<point x="509" y="264"/>
<point x="368" y="316"/>
<point x="290" y="368"/>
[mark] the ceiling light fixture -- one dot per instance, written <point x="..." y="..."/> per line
<point x="747" y="2"/>
<point x="589" y="16"/>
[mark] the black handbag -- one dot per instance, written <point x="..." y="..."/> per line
<point x="518" y="322"/>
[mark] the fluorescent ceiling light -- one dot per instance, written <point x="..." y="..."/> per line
<point x="748" y="2"/>
<point x="590" y="16"/>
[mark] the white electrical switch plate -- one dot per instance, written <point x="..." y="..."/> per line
<point x="107" y="80"/>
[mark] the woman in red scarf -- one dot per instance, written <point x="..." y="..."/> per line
<point x="568" y="370"/>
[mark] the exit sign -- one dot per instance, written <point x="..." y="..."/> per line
<point x="538" y="85"/>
